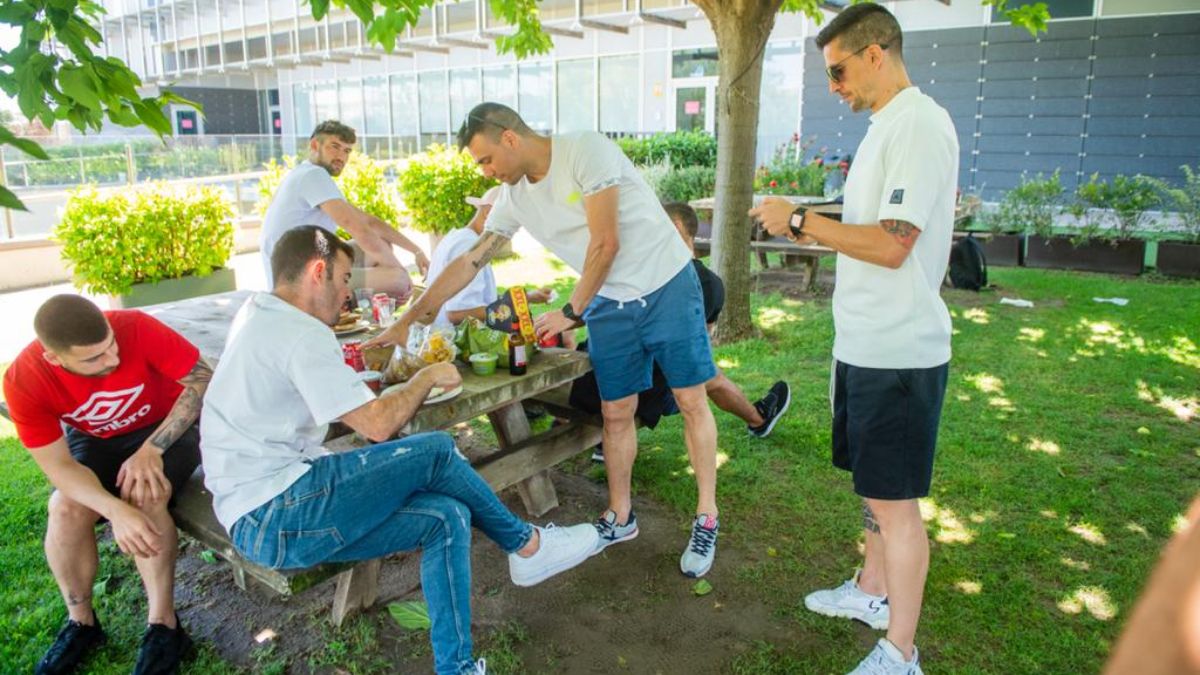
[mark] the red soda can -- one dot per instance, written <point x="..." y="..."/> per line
<point x="551" y="341"/>
<point x="352" y="355"/>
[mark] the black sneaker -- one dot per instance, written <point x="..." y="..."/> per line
<point x="73" y="643"/>
<point x="162" y="649"/>
<point x="771" y="407"/>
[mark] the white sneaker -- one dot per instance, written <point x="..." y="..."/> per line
<point x="849" y="602"/>
<point x="886" y="659"/>
<point x="561" y="549"/>
<point x="480" y="667"/>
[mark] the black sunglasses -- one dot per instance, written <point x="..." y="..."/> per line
<point x="835" y="72"/>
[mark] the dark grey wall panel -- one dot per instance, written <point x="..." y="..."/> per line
<point x="226" y="111"/>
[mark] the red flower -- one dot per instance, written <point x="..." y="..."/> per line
<point x="773" y="184"/>
<point x="795" y="184"/>
<point x="844" y="165"/>
<point x="818" y="161"/>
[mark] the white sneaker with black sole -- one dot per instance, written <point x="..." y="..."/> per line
<point x="771" y="408"/>
<point x="848" y="601"/>
<point x="559" y="549"/>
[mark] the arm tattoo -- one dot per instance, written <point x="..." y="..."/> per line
<point x="869" y="522"/>
<point x="904" y="231"/>
<point x="186" y="409"/>
<point x="485" y="249"/>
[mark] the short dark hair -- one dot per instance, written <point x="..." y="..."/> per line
<point x="66" y="321"/>
<point x="862" y="25"/>
<point x="491" y="120"/>
<point x="302" y="245"/>
<point x="686" y="216"/>
<point x="343" y="132"/>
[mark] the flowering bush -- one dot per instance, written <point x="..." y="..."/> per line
<point x="789" y="173"/>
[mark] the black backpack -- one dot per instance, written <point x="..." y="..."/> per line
<point x="968" y="265"/>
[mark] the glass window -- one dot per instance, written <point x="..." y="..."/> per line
<point x="500" y="85"/>
<point x="325" y="102"/>
<point x="350" y="98"/>
<point x="375" y="96"/>
<point x="782" y="77"/>
<point x="694" y="63"/>
<point x="302" y="109"/>
<point x="619" y="93"/>
<point x="534" y="92"/>
<point x="404" y="105"/>
<point x="434" y="108"/>
<point x="465" y="94"/>
<point x="576" y="95"/>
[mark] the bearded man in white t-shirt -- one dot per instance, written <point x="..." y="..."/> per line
<point x="579" y="196"/>
<point x="308" y="196"/>
<point x="892" y="330"/>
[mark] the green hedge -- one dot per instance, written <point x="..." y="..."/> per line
<point x="680" y="149"/>
<point x="433" y="185"/>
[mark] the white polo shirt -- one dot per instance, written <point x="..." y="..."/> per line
<point x="481" y="292"/>
<point x="280" y="382"/>
<point x="582" y="164"/>
<point x="297" y="202"/>
<point x="906" y="169"/>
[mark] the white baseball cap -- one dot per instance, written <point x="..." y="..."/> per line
<point x="487" y="199"/>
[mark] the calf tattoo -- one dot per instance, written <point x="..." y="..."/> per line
<point x="869" y="522"/>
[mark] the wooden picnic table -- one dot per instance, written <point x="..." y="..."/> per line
<point x="522" y="459"/>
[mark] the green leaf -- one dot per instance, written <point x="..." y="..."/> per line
<point x="76" y="84"/>
<point x="702" y="588"/>
<point x="9" y="200"/>
<point x="319" y="8"/>
<point x="410" y="615"/>
<point x="208" y="556"/>
<point x="25" y="145"/>
<point x="100" y="587"/>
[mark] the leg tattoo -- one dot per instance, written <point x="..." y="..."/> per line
<point x="73" y="599"/>
<point x="869" y="522"/>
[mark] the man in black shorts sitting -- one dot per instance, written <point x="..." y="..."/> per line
<point x="127" y="390"/>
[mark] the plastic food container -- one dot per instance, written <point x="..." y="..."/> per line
<point x="373" y="379"/>
<point x="483" y="363"/>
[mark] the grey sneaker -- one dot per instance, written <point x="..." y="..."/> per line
<point x="561" y="549"/>
<point x="697" y="558"/>
<point x="886" y="659"/>
<point x="848" y="601"/>
<point x="771" y="407"/>
<point x="611" y="532"/>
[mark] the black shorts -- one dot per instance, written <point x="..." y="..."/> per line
<point x="104" y="456"/>
<point x="885" y="426"/>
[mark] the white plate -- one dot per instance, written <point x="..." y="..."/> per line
<point x="358" y="328"/>
<point x="436" y="397"/>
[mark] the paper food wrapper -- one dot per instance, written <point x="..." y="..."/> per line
<point x="510" y="314"/>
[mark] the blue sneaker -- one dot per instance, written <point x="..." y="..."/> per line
<point x="698" y="557"/>
<point x="611" y="532"/>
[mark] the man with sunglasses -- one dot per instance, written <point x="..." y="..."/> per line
<point x="581" y="198"/>
<point x="892" y="330"/>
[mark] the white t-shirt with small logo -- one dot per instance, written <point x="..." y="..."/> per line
<point x="906" y="169"/>
<point x="582" y="164"/>
<point x="280" y="382"/>
<point x="297" y="202"/>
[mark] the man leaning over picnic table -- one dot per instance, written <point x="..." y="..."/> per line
<point x="126" y="389"/>
<point x="892" y="330"/>
<point x="289" y="503"/>
<point x="581" y="198"/>
<point x="309" y="196"/>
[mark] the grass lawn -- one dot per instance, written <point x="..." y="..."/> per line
<point x="1069" y="449"/>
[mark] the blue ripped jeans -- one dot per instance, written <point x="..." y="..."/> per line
<point x="414" y="493"/>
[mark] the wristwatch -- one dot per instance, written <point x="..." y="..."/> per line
<point x="796" y="221"/>
<point x="569" y="312"/>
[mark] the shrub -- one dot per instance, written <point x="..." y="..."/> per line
<point x="1029" y="207"/>
<point x="433" y="185"/>
<point x="1127" y="197"/>
<point x="1184" y="201"/>
<point x="686" y="184"/>
<point x="788" y="173"/>
<point x="119" y="238"/>
<point x="362" y="183"/>
<point x="680" y="149"/>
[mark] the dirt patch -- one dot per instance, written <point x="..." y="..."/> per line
<point x="788" y="282"/>
<point x="628" y="609"/>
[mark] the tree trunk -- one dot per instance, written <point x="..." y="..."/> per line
<point x="742" y="28"/>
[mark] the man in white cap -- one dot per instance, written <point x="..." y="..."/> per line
<point x="481" y="291"/>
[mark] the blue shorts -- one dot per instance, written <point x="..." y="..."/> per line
<point x="667" y="326"/>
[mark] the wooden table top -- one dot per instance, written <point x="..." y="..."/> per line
<point x="205" y="322"/>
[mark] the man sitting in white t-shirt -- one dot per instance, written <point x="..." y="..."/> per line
<point x="481" y="290"/>
<point x="309" y="196"/>
<point x="288" y="503"/>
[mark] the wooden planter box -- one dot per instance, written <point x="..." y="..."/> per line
<point x="169" y="290"/>
<point x="1179" y="259"/>
<point x="1126" y="256"/>
<point x="1004" y="250"/>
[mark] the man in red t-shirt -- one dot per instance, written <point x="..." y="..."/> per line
<point x="127" y="390"/>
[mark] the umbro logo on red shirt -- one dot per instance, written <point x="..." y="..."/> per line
<point x="109" y="410"/>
